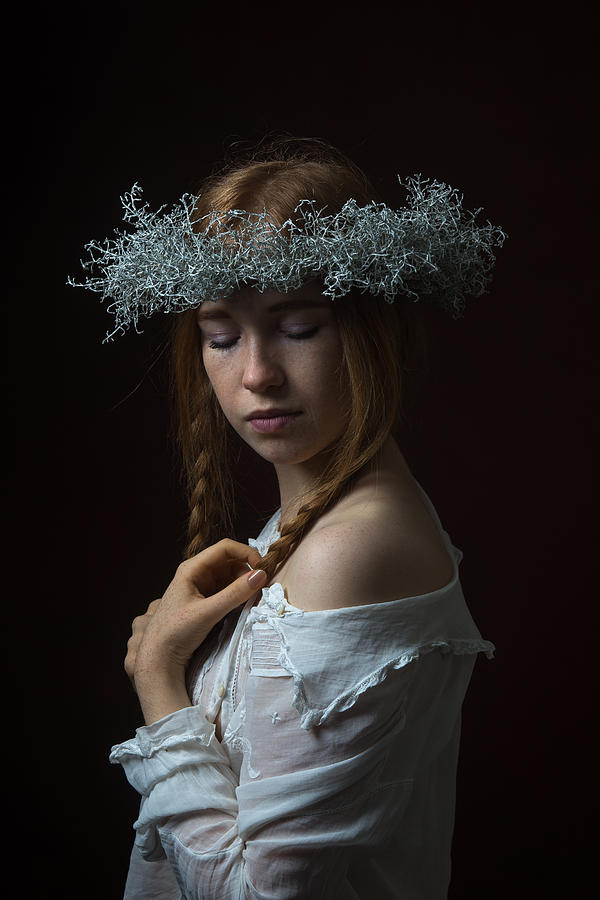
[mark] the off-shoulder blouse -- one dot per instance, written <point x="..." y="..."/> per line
<point x="336" y="773"/>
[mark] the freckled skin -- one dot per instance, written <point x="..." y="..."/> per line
<point x="268" y="367"/>
<point x="260" y="352"/>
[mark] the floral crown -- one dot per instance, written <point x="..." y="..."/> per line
<point x="174" y="260"/>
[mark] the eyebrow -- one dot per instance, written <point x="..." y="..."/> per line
<point x="298" y="303"/>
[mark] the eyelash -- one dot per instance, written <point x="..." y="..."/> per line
<point x="301" y="336"/>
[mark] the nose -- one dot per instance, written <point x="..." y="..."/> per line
<point x="261" y="369"/>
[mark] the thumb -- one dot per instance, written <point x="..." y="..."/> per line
<point x="238" y="592"/>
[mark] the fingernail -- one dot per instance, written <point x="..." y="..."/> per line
<point x="257" y="578"/>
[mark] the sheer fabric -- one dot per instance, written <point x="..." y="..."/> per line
<point x="336" y="774"/>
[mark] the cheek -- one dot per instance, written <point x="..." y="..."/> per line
<point x="326" y="375"/>
<point x="327" y="364"/>
<point x="218" y="378"/>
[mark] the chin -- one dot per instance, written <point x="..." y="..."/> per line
<point x="279" y="456"/>
<point x="281" y="453"/>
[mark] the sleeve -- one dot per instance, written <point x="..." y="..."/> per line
<point x="307" y="799"/>
<point x="152" y="879"/>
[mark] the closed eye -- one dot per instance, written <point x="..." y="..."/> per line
<point x="295" y="336"/>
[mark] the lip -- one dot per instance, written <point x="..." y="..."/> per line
<point x="270" y="413"/>
<point x="274" y="423"/>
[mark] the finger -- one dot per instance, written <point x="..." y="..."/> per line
<point x="219" y="556"/>
<point x="222" y="579"/>
<point x="139" y="623"/>
<point x="235" y="594"/>
<point x="239" y="568"/>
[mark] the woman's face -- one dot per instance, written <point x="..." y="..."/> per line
<point x="270" y="351"/>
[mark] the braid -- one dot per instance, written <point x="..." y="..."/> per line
<point x="210" y="493"/>
<point x="373" y="341"/>
<point x="374" y="350"/>
<point x="343" y="471"/>
<point x="203" y="440"/>
<point x="198" y="528"/>
<point x="294" y="531"/>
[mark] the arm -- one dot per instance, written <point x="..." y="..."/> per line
<point x="174" y="626"/>
<point x="306" y="801"/>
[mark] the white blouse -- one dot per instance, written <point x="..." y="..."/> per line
<point x="336" y="774"/>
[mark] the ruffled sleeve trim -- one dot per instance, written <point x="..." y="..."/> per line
<point x="311" y="717"/>
<point x="400" y="632"/>
<point x="187" y="725"/>
<point x="435" y="623"/>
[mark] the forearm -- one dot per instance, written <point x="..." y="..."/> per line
<point x="165" y="638"/>
<point x="180" y="769"/>
<point x="252" y="837"/>
<point x="160" y="691"/>
<point x="191" y="813"/>
<point x="280" y="824"/>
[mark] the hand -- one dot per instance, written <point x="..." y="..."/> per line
<point x="138" y="627"/>
<point x="205" y="588"/>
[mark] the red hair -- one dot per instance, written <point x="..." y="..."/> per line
<point x="378" y="339"/>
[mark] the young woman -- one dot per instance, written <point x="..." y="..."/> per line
<point x="302" y="719"/>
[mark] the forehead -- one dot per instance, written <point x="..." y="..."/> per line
<point x="249" y="301"/>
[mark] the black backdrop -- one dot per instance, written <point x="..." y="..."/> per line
<point x="490" y="98"/>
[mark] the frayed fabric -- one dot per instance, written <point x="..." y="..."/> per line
<point x="282" y="807"/>
<point x="173" y="260"/>
<point x="403" y="630"/>
<point x="407" y="630"/>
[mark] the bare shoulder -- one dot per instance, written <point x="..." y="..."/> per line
<point x="370" y="551"/>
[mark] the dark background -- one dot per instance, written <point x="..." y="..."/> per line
<point x="492" y="99"/>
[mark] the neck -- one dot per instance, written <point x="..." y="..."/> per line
<point x="296" y="479"/>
